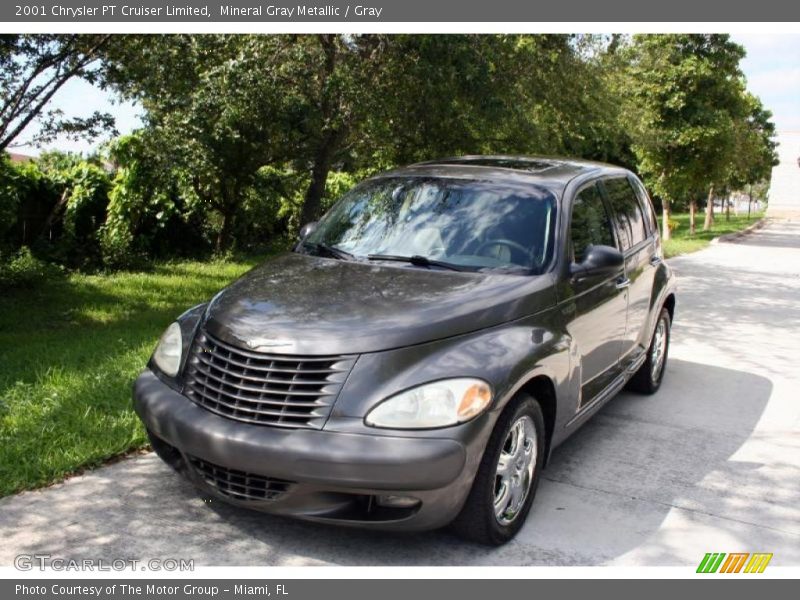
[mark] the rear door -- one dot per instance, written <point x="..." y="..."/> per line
<point x="639" y="246"/>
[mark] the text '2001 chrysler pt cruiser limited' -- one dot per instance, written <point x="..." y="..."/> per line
<point x="415" y="359"/>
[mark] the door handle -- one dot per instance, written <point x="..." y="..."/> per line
<point x="623" y="282"/>
<point x="655" y="260"/>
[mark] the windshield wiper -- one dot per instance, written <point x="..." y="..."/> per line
<point x="417" y="260"/>
<point x="331" y="251"/>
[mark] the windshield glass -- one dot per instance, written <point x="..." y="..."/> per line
<point x="472" y="224"/>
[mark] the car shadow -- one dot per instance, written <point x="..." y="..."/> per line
<point x="610" y="486"/>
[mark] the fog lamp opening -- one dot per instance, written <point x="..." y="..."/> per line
<point x="393" y="501"/>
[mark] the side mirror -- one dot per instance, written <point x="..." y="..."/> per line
<point x="307" y="230"/>
<point x="598" y="260"/>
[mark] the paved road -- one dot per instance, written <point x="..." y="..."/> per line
<point x="711" y="463"/>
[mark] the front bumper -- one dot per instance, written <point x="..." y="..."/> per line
<point x="333" y="476"/>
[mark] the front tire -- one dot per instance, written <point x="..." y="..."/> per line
<point x="506" y="481"/>
<point x="648" y="378"/>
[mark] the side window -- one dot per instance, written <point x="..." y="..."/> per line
<point x="647" y="206"/>
<point x="626" y="210"/>
<point x="591" y="225"/>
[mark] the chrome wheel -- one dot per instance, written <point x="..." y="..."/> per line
<point x="658" y="350"/>
<point x="514" y="472"/>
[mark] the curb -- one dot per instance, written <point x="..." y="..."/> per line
<point x="732" y="237"/>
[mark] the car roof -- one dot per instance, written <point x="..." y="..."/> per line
<point x="553" y="173"/>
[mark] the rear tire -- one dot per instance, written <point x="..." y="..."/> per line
<point x="648" y="378"/>
<point x="502" y="492"/>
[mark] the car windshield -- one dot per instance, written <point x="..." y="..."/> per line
<point x="470" y="225"/>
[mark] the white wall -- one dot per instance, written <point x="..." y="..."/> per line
<point x="784" y="191"/>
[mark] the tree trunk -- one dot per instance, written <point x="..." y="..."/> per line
<point x="692" y="216"/>
<point x="323" y="160"/>
<point x="54" y="213"/>
<point x="667" y="234"/>
<point x="728" y="208"/>
<point x="331" y="135"/>
<point x="224" y="234"/>
<point x="709" y="210"/>
<point x="749" y="200"/>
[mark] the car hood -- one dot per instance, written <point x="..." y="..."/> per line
<point x="301" y="304"/>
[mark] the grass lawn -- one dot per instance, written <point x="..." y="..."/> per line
<point x="683" y="242"/>
<point x="69" y="351"/>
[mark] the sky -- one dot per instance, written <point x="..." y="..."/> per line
<point x="772" y="69"/>
<point x="77" y="98"/>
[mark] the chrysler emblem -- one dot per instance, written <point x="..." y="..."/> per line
<point x="263" y="343"/>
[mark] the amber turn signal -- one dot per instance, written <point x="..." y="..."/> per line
<point x="475" y="399"/>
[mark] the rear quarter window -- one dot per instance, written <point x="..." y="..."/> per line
<point x="647" y="205"/>
<point x="626" y="211"/>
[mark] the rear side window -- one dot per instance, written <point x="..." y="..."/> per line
<point x="626" y="210"/>
<point x="591" y="225"/>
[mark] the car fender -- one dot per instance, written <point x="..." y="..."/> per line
<point x="507" y="356"/>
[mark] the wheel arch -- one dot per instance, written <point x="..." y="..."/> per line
<point x="669" y="304"/>
<point x="542" y="388"/>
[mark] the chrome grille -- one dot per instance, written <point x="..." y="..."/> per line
<point x="238" y="484"/>
<point x="268" y="389"/>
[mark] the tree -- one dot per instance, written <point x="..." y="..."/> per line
<point x="218" y="107"/>
<point x="684" y="92"/>
<point x="755" y="146"/>
<point x="33" y="68"/>
<point x="227" y="107"/>
<point x="468" y="94"/>
<point x="382" y="100"/>
<point x="59" y="168"/>
<point x="342" y="81"/>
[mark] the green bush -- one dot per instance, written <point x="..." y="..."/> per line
<point x="118" y="251"/>
<point x="23" y="270"/>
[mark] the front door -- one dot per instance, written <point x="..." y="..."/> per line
<point x="596" y="306"/>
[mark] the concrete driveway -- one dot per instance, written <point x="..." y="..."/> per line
<point x="710" y="464"/>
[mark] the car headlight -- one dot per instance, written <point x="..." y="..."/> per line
<point x="436" y="404"/>
<point x="167" y="356"/>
